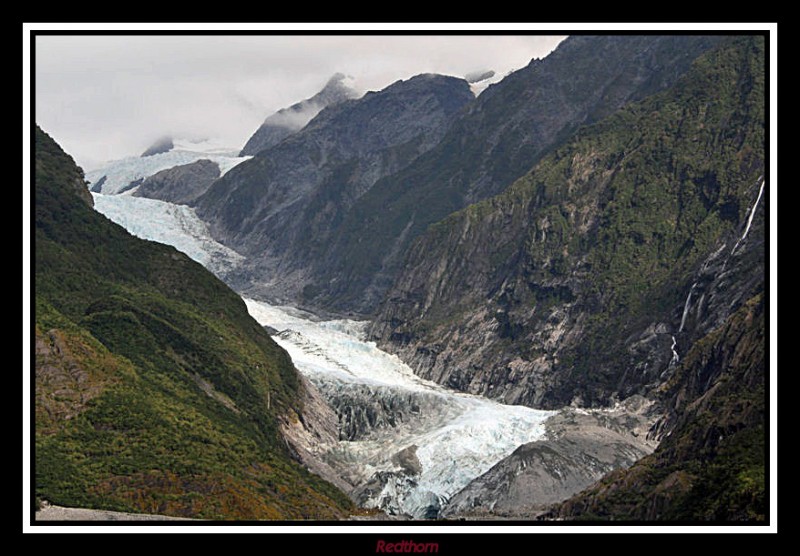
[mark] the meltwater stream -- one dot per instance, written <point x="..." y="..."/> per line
<point x="407" y="444"/>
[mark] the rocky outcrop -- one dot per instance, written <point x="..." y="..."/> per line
<point x="162" y="145"/>
<point x="181" y="185"/>
<point x="98" y="185"/>
<point x="581" y="447"/>
<point x="711" y="463"/>
<point x="286" y="121"/>
<point x="65" y="384"/>
<point x="313" y="432"/>
<point x="283" y="207"/>
<point x="572" y="285"/>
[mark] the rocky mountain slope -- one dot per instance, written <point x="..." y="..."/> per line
<point x="629" y="261"/>
<point x="282" y="208"/>
<point x="181" y="184"/>
<point x="580" y="448"/>
<point x="571" y="285"/>
<point x="155" y="391"/>
<point x="286" y="121"/>
<point x="712" y="464"/>
<point x="500" y="137"/>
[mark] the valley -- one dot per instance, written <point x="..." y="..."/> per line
<point x="543" y="301"/>
<point x="402" y="444"/>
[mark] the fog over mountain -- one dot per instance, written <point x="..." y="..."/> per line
<point x="108" y="97"/>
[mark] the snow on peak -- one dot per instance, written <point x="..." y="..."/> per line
<point x="121" y="176"/>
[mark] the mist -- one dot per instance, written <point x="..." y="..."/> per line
<point x="105" y="97"/>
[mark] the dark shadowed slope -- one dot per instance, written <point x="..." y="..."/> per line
<point x="155" y="390"/>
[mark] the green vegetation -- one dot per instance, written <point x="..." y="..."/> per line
<point x="509" y="129"/>
<point x="611" y="229"/>
<point x="610" y="225"/>
<point x="126" y="331"/>
<point x="712" y="465"/>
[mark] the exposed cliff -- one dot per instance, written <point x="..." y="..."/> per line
<point x="286" y="121"/>
<point x="572" y="285"/>
<point x="283" y="207"/>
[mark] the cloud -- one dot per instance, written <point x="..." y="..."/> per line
<point x="108" y="96"/>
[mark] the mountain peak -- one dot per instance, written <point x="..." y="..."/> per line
<point x="161" y="145"/>
<point x="286" y="121"/>
<point x="478" y="76"/>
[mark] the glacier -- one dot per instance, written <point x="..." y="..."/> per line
<point x="456" y="436"/>
<point x="406" y="444"/>
<point x="171" y="224"/>
<point x="120" y="173"/>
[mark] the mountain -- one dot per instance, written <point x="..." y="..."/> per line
<point x="162" y="145"/>
<point x="335" y="206"/>
<point x="282" y="209"/>
<point x="182" y="184"/>
<point x="629" y="261"/>
<point x="571" y="285"/>
<point x="155" y="391"/>
<point x="125" y="175"/>
<point x="497" y="139"/>
<point x="286" y="121"/>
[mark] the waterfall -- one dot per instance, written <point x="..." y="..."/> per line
<point x="675" y="358"/>
<point x="686" y="307"/>
<point x="750" y="218"/>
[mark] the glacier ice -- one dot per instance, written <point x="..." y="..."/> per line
<point x="458" y="436"/>
<point x="384" y="408"/>
<point x="175" y="225"/>
<point x="120" y="173"/>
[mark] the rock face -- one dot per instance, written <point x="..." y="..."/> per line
<point x="711" y="465"/>
<point x="283" y="207"/>
<point x="311" y="433"/>
<point x="581" y="447"/>
<point x="162" y="145"/>
<point x="181" y="185"/>
<point x="286" y="121"/>
<point x="336" y="205"/>
<point x="497" y="139"/>
<point x="572" y="285"/>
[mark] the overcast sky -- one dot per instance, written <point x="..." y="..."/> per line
<point x="106" y="97"/>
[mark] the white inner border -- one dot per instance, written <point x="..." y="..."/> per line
<point x="346" y="528"/>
